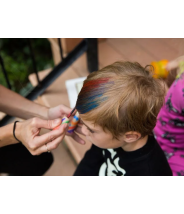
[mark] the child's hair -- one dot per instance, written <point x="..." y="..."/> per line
<point x="121" y="97"/>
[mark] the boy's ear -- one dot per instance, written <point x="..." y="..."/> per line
<point x="131" y="137"/>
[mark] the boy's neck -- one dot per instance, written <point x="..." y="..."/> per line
<point x="128" y="147"/>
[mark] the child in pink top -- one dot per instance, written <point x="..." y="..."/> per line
<point x="169" y="130"/>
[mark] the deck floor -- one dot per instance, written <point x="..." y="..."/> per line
<point x="143" y="51"/>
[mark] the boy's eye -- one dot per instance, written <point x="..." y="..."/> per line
<point x="90" y="130"/>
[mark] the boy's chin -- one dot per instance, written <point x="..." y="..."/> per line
<point x="103" y="146"/>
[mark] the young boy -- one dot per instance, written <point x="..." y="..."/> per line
<point x="118" y="106"/>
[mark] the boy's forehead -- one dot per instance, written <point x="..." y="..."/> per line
<point x="89" y="124"/>
<point x="86" y="122"/>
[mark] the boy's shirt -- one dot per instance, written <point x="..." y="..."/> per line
<point x="148" y="160"/>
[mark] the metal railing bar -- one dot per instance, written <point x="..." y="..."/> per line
<point x="92" y="54"/>
<point x="60" y="49"/>
<point x="33" y="60"/>
<point x="5" y="73"/>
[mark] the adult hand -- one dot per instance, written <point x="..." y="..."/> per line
<point x="28" y="133"/>
<point x="61" y="111"/>
<point x="58" y="112"/>
<point x="75" y="136"/>
<point x="174" y="64"/>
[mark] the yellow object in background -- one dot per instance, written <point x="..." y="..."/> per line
<point x="160" y="69"/>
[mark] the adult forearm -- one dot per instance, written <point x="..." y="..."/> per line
<point x="6" y="135"/>
<point x="14" y="104"/>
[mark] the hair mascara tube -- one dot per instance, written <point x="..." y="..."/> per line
<point x="74" y="122"/>
<point x="64" y="120"/>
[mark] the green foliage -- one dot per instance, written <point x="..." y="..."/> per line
<point x="18" y="63"/>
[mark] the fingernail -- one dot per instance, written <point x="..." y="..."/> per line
<point x="57" y="122"/>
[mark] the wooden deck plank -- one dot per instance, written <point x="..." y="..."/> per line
<point x="108" y="55"/>
<point x="80" y="66"/>
<point x="157" y="48"/>
<point x="175" y="43"/>
<point x="63" y="163"/>
<point x="131" y="51"/>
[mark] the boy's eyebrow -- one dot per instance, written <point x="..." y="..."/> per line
<point x="87" y="126"/>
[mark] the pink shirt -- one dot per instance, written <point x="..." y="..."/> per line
<point x="169" y="130"/>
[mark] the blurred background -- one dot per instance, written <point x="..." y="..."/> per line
<point x="16" y="55"/>
<point x="39" y="68"/>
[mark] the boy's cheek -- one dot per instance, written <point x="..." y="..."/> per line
<point x="92" y="140"/>
<point x="97" y="142"/>
<point x="85" y="131"/>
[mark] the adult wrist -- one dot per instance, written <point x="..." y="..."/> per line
<point x="17" y="131"/>
<point x="45" y="113"/>
<point x="6" y="135"/>
<point x="39" y="111"/>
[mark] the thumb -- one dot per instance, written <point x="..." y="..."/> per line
<point x="47" y="124"/>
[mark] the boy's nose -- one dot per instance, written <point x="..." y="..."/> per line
<point x="85" y="131"/>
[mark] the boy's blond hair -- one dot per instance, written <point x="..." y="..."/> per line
<point x="121" y="97"/>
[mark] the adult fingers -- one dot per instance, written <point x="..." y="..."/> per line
<point x="65" y="109"/>
<point x="172" y="65"/>
<point x="78" y="139"/>
<point x="58" y="111"/>
<point x="79" y="130"/>
<point x="47" y="124"/>
<point x="51" y="136"/>
<point x="47" y="147"/>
